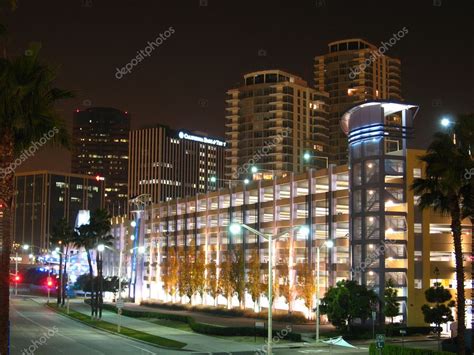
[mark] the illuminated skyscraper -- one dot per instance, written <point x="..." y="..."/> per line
<point x="100" y="148"/>
<point x="352" y="72"/>
<point x="272" y="120"/>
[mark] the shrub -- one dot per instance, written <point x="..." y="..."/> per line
<point x="390" y="349"/>
<point x="204" y="328"/>
<point x="278" y="316"/>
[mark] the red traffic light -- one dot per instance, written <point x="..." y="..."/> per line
<point x="49" y="282"/>
<point x="17" y="278"/>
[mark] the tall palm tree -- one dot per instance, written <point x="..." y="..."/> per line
<point x="100" y="222"/>
<point x="27" y="113"/>
<point x="444" y="190"/>
<point x="60" y="238"/>
<point x="84" y="238"/>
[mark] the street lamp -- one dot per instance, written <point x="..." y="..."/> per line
<point x="307" y="157"/>
<point x="214" y="179"/>
<point x="328" y="244"/>
<point x="445" y="122"/>
<point x="236" y="228"/>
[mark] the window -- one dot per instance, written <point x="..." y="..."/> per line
<point x="417" y="173"/>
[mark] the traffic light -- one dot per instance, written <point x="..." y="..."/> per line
<point x="49" y="282"/>
<point x="17" y="278"/>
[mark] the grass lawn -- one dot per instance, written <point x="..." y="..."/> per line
<point x="123" y="330"/>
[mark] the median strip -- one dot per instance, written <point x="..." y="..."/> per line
<point x="112" y="328"/>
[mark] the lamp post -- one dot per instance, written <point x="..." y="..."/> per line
<point x="214" y="179"/>
<point x="307" y="157"/>
<point x="141" y="250"/>
<point x="328" y="244"/>
<point x="235" y="228"/>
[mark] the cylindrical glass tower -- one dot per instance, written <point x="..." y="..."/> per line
<point x="377" y="133"/>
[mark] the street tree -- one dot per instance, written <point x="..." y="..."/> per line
<point x="305" y="285"/>
<point x="212" y="284"/>
<point x="238" y="274"/>
<point x="391" y="307"/>
<point x="28" y="99"/>
<point x="346" y="302"/>
<point x="439" y="313"/>
<point x="253" y="286"/>
<point x="225" y="279"/>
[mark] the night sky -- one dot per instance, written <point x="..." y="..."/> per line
<point x="183" y="81"/>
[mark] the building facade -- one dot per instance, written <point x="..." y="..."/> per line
<point x="168" y="164"/>
<point x="319" y="199"/>
<point x="43" y="198"/>
<point x="272" y="120"/>
<point x="354" y="71"/>
<point x="100" y="149"/>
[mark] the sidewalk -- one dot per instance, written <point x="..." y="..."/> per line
<point x="196" y="342"/>
<point x="230" y="321"/>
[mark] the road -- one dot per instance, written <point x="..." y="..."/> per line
<point x="43" y="331"/>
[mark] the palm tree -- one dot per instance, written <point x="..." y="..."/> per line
<point x="27" y="113"/>
<point x="445" y="190"/>
<point x="100" y="223"/>
<point x="61" y="237"/>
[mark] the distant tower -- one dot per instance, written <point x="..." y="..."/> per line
<point x="272" y="120"/>
<point x="352" y="72"/>
<point x="377" y="133"/>
<point x="100" y="148"/>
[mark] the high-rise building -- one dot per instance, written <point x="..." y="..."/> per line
<point x="352" y="72"/>
<point x="43" y="198"/>
<point x="272" y="120"/>
<point x="100" y="148"/>
<point x="167" y="164"/>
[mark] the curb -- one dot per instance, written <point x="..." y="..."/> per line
<point x="117" y="334"/>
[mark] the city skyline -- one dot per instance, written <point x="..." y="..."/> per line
<point x="193" y="97"/>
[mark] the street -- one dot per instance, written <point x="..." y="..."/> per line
<point x="38" y="330"/>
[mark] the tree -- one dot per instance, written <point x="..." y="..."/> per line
<point x="100" y="223"/>
<point x="391" y="308"/>
<point x="238" y="274"/>
<point x="212" y="285"/>
<point x="184" y="276"/>
<point x="60" y="232"/>
<point x="225" y="279"/>
<point x="199" y="277"/>
<point x="346" y="302"/>
<point x="84" y="239"/>
<point x="306" y="285"/>
<point x="253" y="286"/>
<point x="447" y="190"/>
<point x="27" y="113"/>
<point x="286" y="289"/>
<point x="111" y="284"/>
<point x="440" y="313"/>
<point x="170" y="273"/>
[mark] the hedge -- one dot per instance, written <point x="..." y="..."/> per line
<point x="204" y="328"/>
<point x="295" y="317"/>
<point x="390" y="349"/>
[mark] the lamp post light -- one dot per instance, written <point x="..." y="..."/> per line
<point x="214" y="179"/>
<point x="307" y="157"/>
<point x="236" y="228"/>
<point x="328" y="244"/>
